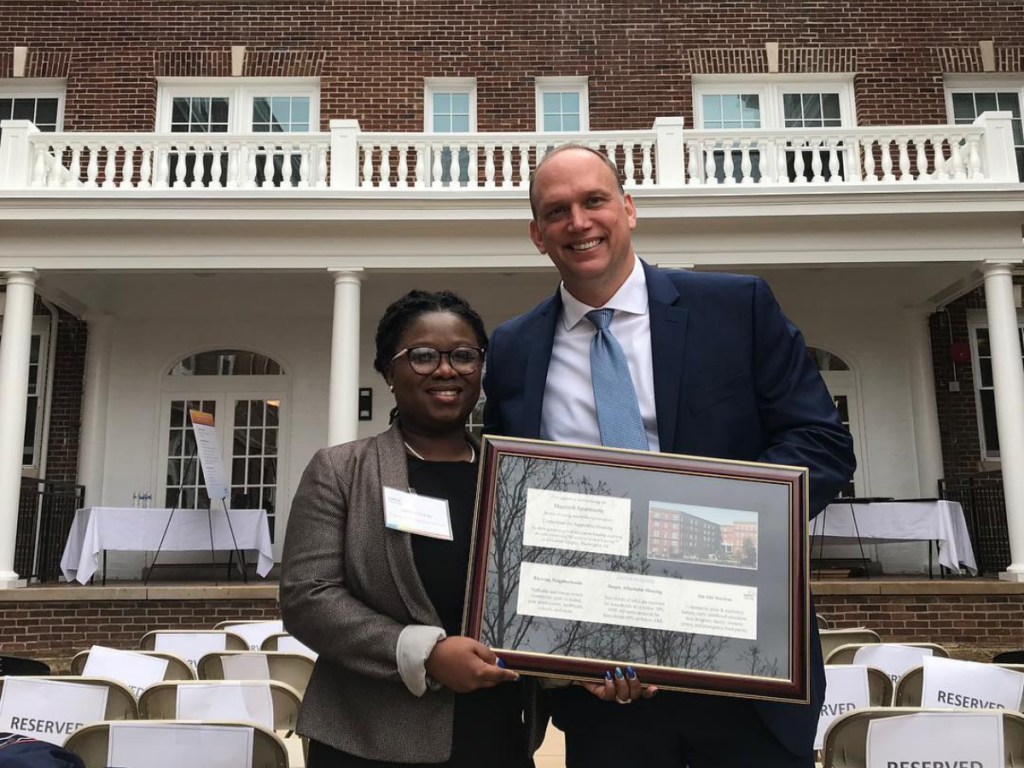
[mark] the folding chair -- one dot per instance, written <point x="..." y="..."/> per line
<point x="232" y="642"/>
<point x="822" y="622"/>
<point x="120" y="701"/>
<point x="160" y="701"/>
<point x="292" y="669"/>
<point x="220" y="625"/>
<point x="910" y="687"/>
<point x="880" y="688"/>
<point x="833" y="638"/>
<point x="846" y="739"/>
<point x="18" y="666"/>
<point x="177" y="667"/>
<point x="844" y="653"/>
<point x="92" y="742"/>
<point x="271" y="643"/>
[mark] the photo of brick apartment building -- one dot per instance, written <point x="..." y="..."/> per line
<point x="160" y="249"/>
<point x="702" y="536"/>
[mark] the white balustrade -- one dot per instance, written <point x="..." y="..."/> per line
<point x="457" y="162"/>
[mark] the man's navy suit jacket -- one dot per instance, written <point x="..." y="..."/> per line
<point x="732" y="379"/>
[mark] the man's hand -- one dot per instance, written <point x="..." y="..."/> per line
<point x="623" y="688"/>
<point x="465" y="665"/>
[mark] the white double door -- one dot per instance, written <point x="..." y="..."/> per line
<point x="250" y="428"/>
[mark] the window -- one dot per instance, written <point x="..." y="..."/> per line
<point x="32" y="443"/>
<point x="966" y="100"/>
<point x="842" y="385"/>
<point x="984" y="387"/>
<point x="727" y="103"/>
<point x="38" y="100"/>
<point x="450" y="107"/>
<point x="562" y="104"/>
<point x="239" y="105"/>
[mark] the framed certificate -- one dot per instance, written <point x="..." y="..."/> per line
<point x="691" y="570"/>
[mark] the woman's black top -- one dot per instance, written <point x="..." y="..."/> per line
<point x="489" y="726"/>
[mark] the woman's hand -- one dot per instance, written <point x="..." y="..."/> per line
<point x="465" y="665"/>
<point x="623" y="688"/>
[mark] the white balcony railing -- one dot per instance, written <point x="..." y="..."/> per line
<point x="348" y="159"/>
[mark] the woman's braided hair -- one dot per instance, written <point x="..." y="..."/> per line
<point x="405" y="310"/>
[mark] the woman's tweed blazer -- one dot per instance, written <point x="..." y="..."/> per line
<point x="349" y="586"/>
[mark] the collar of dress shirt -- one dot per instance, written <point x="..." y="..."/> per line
<point x="631" y="297"/>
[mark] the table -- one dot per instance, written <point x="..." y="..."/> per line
<point x="97" y="529"/>
<point x="939" y="521"/>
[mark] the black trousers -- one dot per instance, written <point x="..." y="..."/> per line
<point x="672" y="730"/>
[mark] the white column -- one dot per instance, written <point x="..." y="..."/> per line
<point x="998" y="147"/>
<point x="344" y="154"/>
<point x="1008" y="380"/>
<point x="668" y="151"/>
<point x="927" y="439"/>
<point x="15" y="343"/>
<point x="343" y="399"/>
<point x="16" y="154"/>
<point x="93" y="446"/>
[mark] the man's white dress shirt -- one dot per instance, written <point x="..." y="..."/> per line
<point x="569" y="414"/>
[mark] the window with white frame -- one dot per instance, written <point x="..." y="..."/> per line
<point x="450" y="107"/>
<point x="984" y="385"/>
<point x="240" y="105"/>
<point x="968" y="99"/>
<point x="38" y="100"/>
<point x="32" y="444"/>
<point x="725" y="103"/>
<point x="563" y="104"/>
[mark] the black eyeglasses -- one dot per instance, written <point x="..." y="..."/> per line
<point x="426" y="360"/>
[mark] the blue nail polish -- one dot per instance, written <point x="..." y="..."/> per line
<point x="608" y="676"/>
<point x="631" y="673"/>
<point x="500" y="664"/>
<point x="618" y="673"/>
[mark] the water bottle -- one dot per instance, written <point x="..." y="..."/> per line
<point x="135" y="500"/>
<point x="149" y="500"/>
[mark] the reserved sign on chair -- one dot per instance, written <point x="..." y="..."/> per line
<point x="951" y="683"/>
<point x="936" y="740"/>
<point x="49" y="710"/>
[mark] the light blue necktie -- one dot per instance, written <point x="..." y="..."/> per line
<point x="618" y="412"/>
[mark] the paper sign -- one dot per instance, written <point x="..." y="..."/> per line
<point x="636" y="600"/>
<point x="891" y="658"/>
<point x="189" y="646"/>
<point x="576" y="521"/>
<point x="172" y="745"/>
<point x="421" y="515"/>
<point x="846" y="690"/>
<point x="135" y="670"/>
<point x="290" y="644"/>
<point x="951" y="683"/>
<point x="936" y="740"/>
<point x="49" y="710"/>
<point x="255" y="633"/>
<point x="210" y="457"/>
<point x="245" y="666"/>
<point x="231" y="700"/>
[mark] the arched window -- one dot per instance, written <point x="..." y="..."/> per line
<point x="842" y="385"/>
<point x="226" y="362"/>
<point x="826" y="361"/>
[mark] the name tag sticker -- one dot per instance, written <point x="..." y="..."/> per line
<point x="421" y="515"/>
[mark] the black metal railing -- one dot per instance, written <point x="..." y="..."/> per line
<point x="981" y="496"/>
<point x="46" y="511"/>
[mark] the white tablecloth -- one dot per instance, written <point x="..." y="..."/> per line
<point x="941" y="521"/>
<point x="96" y="529"/>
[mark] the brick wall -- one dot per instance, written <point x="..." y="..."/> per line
<point x="66" y="406"/>
<point x="372" y="57"/>
<point x="958" y="413"/>
<point x="58" y="630"/>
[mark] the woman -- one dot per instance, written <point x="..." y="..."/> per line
<point x="394" y="683"/>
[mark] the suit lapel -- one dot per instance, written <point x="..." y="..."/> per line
<point x="542" y="333"/>
<point x="668" y="338"/>
<point x="394" y="473"/>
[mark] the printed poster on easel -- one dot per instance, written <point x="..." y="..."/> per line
<point x="210" y="458"/>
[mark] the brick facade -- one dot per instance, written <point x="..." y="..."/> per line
<point x="958" y="411"/>
<point x="372" y="57"/>
<point x="66" y="405"/>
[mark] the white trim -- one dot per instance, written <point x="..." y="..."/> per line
<point x="580" y="85"/>
<point x="37" y="88"/>
<point x="770" y="89"/>
<point x="240" y="92"/>
<point x="976" y="84"/>
<point x="431" y="85"/>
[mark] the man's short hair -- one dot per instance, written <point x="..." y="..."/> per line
<point x="565" y="148"/>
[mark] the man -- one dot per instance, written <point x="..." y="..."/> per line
<point x="714" y="369"/>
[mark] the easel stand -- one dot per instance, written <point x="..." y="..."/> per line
<point x="209" y="520"/>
